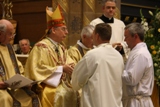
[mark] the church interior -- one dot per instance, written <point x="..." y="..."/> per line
<point x="29" y="18"/>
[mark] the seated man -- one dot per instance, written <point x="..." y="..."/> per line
<point x="9" y="66"/>
<point x="25" y="47"/>
<point x="83" y="45"/>
<point x="49" y="63"/>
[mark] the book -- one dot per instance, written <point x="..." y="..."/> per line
<point x="18" y="81"/>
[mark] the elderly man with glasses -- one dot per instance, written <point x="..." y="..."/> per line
<point x="49" y="63"/>
<point x="10" y="66"/>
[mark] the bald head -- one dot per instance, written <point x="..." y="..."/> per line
<point x="4" y="24"/>
<point x="6" y="31"/>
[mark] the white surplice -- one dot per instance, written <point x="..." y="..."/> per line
<point x="138" y="78"/>
<point x="99" y="73"/>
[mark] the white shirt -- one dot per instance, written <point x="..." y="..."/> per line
<point x="98" y="73"/>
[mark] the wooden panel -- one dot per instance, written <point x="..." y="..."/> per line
<point x="31" y="26"/>
<point x="31" y="18"/>
<point x="156" y="95"/>
<point x="30" y="6"/>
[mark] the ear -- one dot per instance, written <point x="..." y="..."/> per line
<point x="97" y="36"/>
<point x="136" y="36"/>
<point x="84" y="36"/>
<point x="53" y="30"/>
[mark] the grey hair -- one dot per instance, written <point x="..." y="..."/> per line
<point x="25" y="40"/>
<point x="87" y="30"/>
<point x="136" y="28"/>
<point x="3" y="27"/>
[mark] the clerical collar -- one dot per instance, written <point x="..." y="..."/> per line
<point x="107" y="20"/>
<point x="81" y="45"/>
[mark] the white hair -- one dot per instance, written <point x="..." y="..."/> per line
<point x="87" y="30"/>
<point x="25" y="40"/>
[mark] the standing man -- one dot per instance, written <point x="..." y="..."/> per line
<point x="10" y="66"/>
<point x="25" y="47"/>
<point x="99" y="72"/>
<point x="83" y="45"/>
<point x="138" y="76"/>
<point x="49" y="63"/>
<point x="117" y="38"/>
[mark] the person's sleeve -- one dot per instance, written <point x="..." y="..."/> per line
<point x="80" y="74"/>
<point x="74" y="54"/>
<point x="55" y="77"/>
<point x="133" y="74"/>
<point x="39" y="65"/>
<point x="21" y="68"/>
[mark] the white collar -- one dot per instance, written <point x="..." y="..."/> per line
<point x="54" y="42"/>
<point x="81" y="45"/>
<point x="104" y="45"/>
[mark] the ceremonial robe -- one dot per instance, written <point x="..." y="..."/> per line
<point x="7" y="70"/>
<point x="98" y="73"/>
<point x="77" y="51"/>
<point x="138" y="78"/>
<point x="45" y="59"/>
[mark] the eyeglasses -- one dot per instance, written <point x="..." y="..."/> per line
<point x="12" y="34"/>
<point x="63" y="28"/>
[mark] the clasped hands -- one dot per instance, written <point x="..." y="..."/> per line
<point x="68" y="68"/>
